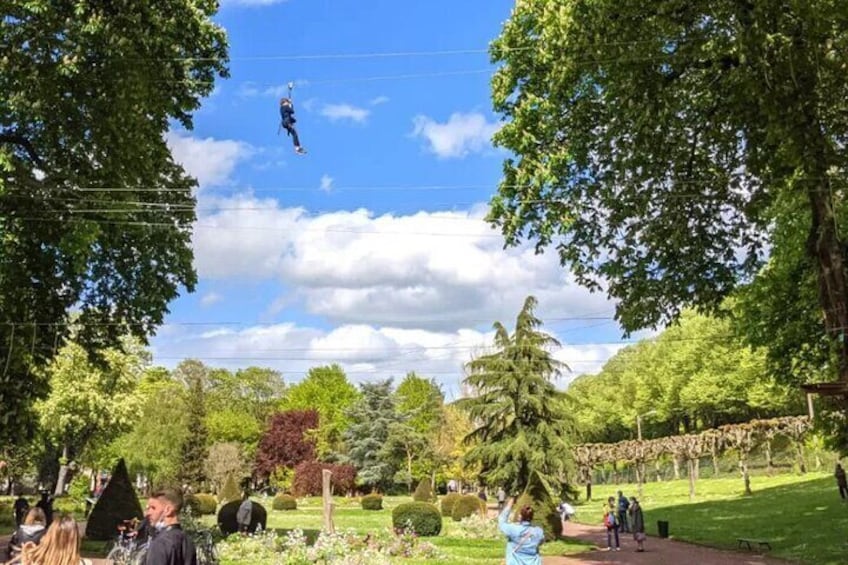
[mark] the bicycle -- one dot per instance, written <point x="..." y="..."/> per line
<point x="127" y="550"/>
<point x="204" y="544"/>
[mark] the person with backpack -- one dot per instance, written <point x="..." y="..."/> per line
<point x="611" y="524"/>
<point x="623" y="506"/>
<point x="523" y="539"/>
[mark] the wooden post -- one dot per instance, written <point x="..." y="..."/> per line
<point x="810" y="406"/>
<point x="328" y="502"/>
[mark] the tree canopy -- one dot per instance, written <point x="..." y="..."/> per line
<point x="661" y="147"/>
<point x="89" y="91"/>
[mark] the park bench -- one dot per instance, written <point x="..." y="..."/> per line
<point x="760" y="543"/>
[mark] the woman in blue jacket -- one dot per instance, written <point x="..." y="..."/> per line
<point x="522" y="539"/>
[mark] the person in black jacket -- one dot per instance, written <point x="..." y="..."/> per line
<point x="287" y="121"/>
<point x="169" y="545"/>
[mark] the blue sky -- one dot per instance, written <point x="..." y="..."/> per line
<point x="370" y="251"/>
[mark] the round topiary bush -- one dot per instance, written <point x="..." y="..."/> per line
<point x="466" y="506"/>
<point x="227" y="517"/>
<point x="424" y="492"/>
<point x="372" y="502"/>
<point x="284" y="502"/>
<point x="423" y="517"/>
<point x="448" y="501"/>
<point x="544" y="515"/>
<point x="201" y="504"/>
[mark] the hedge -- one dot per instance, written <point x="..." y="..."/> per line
<point x="117" y="503"/>
<point x="227" y="517"/>
<point x="424" y="518"/>
<point x="284" y="502"/>
<point x="202" y="504"/>
<point x="372" y="502"/>
<point x="448" y="501"/>
<point x="466" y="506"/>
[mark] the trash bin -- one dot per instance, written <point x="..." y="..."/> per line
<point x="662" y="528"/>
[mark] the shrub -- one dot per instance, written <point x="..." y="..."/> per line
<point x="117" y="503"/>
<point x="466" y="506"/>
<point x="544" y="515"/>
<point x="284" y="502"/>
<point x="201" y="503"/>
<point x="424" y="492"/>
<point x="230" y="491"/>
<point x="227" y="517"/>
<point x="309" y="480"/>
<point x="448" y="501"/>
<point x="372" y="502"/>
<point x="477" y="526"/>
<point x="423" y="517"/>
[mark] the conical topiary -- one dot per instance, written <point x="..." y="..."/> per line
<point x="230" y="491"/>
<point x="118" y="502"/>
<point x="424" y="492"/>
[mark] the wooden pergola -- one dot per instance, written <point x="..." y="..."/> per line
<point x="839" y="388"/>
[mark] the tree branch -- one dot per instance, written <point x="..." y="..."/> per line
<point x="15" y="138"/>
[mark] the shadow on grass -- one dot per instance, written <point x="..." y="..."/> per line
<point x="805" y="521"/>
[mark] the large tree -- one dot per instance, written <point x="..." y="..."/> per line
<point x="95" y="214"/>
<point x="372" y="419"/>
<point x="327" y="390"/>
<point x="659" y="146"/>
<point x="521" y="428"/>
<point x="89" y="405"/>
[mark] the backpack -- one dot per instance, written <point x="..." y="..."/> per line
<point x="609" y="520"/>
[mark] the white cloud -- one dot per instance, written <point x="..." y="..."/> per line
<point x="366" y="353"/>
<point x="461" y="135"/>
<point x="379" y="100"/>
<point x="211" y="161"/>
<point x="210" y="298"/>
<point x="326" y="183"/>
<point x="336" y="112"/>
<point x="434" y="270"/>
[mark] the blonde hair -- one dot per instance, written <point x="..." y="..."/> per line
<point x="59" y="546"/>
<point x="35" y="516"/>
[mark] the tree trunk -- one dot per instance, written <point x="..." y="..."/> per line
<point x="676" y="460"/>
<point x="615" y="472"/>
<point x="714" y="454"/>
<point x="64" y="471"/>
<point x="409" y="469"/>
<point x="802" y="465"/>
<point x="658" y="469"/>
<point x="639" y="479"/>
<point x="743" y="466"/>
<point x="769" y="462"/>
<point x="690" y="467"/>
<point x="697" y="469"/>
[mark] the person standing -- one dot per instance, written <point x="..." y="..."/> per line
<point x="170" y="545"/>
<point x="611" y="524"/>
<point x="501" y="498"/>
<point x="637" y="523"/>
<point x="21" y="508"/>
<point x="841" y="481"/>
<point x="623" y="506"/>
<point x="522" y="539"/>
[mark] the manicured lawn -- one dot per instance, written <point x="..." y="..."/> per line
<point x="349" y="515"/>
<point x="802" y="515"/>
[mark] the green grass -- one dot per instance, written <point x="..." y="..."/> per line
<point x="348" y="515"/>
<point x="802" y="516"/>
